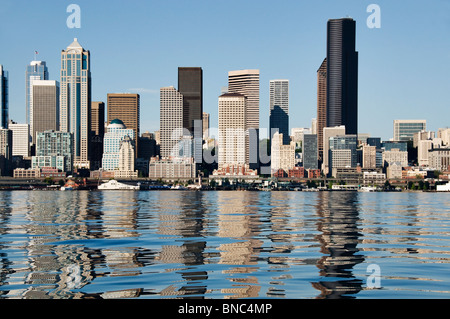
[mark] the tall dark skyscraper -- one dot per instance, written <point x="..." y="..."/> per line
<point x="190" y="85"/>
<point x="342" y="75"/>
<point x="321" y="106"/>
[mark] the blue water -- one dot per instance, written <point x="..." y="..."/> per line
<point x="230" y="244"/>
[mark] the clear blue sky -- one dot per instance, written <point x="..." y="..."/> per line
<point x="136" y="46"/>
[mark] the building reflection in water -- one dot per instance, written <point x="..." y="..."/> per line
<point x="56" y="235"/>
<point x="339" y="238"/>
<point x="239" y="222"/>
<point x="182" y="215"/>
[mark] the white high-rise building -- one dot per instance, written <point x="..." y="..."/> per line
<point x="75" y="100"/>
<point x="327" y="133"/>
<point x="282" y="156"/>
<point x="246" y="82"/>
<point x="126" y="155"/>
<point x="21" y="133"/>
<point x="116" y="133"/>
<point x="232" y="129"/>
<point x="395" y="156"/>
<point x="171" y="121"/>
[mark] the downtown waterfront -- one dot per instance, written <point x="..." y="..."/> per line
<point x="224" y="245"/>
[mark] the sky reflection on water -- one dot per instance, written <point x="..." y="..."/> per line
<point x="184" y="244"/>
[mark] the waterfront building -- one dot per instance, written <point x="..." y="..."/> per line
<point x="235" y="171"/>
<point x="246" y="82"/>
<point x="374" y="178"/>
<point x="395" y="155"/>
<point x="97" y="133"/>
<point x="6" y="146"/>
<point x="75" y="100"/>
<point x="51" y="161"/>
<point x="327" y="133"/>
<point x="282" y="156"/>
<point x="44" y="107"/>
<point x="173" y="169"/>
<point x="171" y="121"/>
<point x="4" y="98"/>
<point x="125" y="107"/>
<point x="404" y="130"/>
<point x="297" y="172"/>
<point x="27" y="173"/>
<point x="233" y="140"/>
<point x="342" y="75"/>
<point x="342" y="151"/>
<point x="439" y="159"/>
<point x="54" y="149"/>
<point x="321" y="106"/>
<point x="309" y="150"/>
<point x="20" y="143"/>
<point x="369" y="156"/>
<point x="394" y="170"/>
<point x="36" y="70"/>
<point x="279" y="109"/>
<point x="116" y="133"/>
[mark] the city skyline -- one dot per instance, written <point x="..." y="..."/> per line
<point x="388" y="83"/>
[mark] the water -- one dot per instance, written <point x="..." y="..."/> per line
<point x="184" y="244"/>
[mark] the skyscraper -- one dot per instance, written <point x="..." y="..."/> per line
<point x="6" y="142"/>
<point x="190" y="85"/>
<point x="44" y="101"/>
<point x="20" y="142"/>
<point x="246" y="82"/>
<point x="342" y="75"/>
<point x="4" y="113"/>
<point x="55" y="148"/>
<point x="171" y="120"/>
<point x="75" y="100"/>
<point x="309" y="150"/>
<point x="206" y="123"/>
<point x="116" y="133"/>
<point x="36" y="70"/>
<point x="126" y="107"/>
<point x="97" y="134"/>
<point x="321" y="106"/>
<point x="279" y="109"/>
<point x="232" y="130"/>
<point x="404" y="129"/>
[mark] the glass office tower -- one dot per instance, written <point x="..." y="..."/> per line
<point x="4" y="113"/>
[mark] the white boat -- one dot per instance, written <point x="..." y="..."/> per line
<point x="443" y="188"/>
<point x="179" y="187"/>
<point x="115" y="185"/>
<point x="368" y="189"/>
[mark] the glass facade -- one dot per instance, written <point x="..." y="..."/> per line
<point x="344" y="142"/>
<point x="111" y="145"/>
<point x="55" y="144"/>
<point x="4" y="112"/>
<point x="309" y="148"/>
<point x="36" y="70"/>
